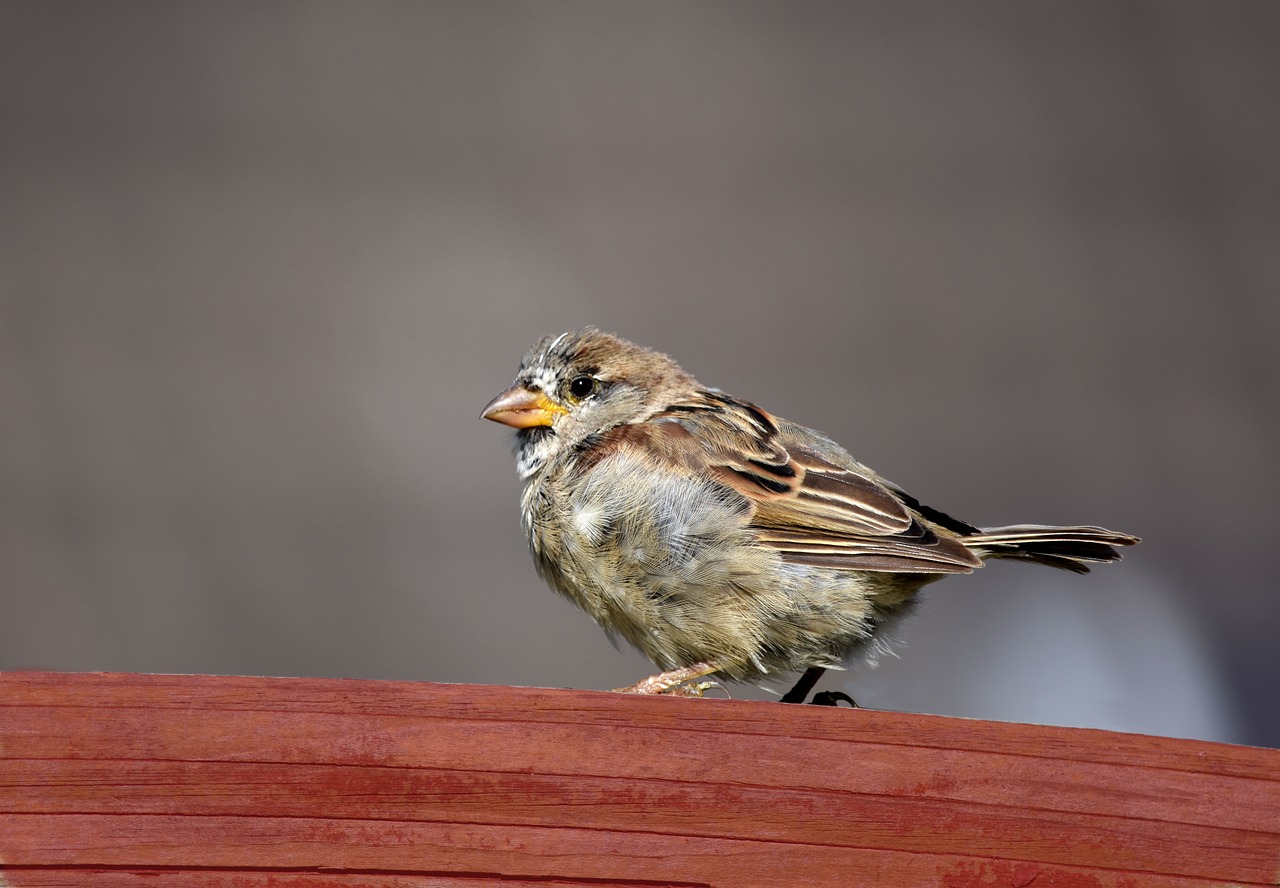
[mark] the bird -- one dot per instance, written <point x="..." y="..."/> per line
<point x="721" y="541"/>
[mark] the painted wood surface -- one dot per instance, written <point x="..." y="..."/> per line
<point x="223" y="782"/>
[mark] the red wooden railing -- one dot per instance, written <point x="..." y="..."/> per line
<point x="143" y="780"/>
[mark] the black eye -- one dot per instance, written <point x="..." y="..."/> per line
<point x="582" y="386"/>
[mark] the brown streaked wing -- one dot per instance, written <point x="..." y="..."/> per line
<point x="919" y="551"/>
<point x="790" y="486"/>
<point x="808" y="508"/>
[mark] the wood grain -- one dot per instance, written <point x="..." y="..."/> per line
<point x="124" y="780"/>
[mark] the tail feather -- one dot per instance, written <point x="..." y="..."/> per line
<point x="1067" y="548"/>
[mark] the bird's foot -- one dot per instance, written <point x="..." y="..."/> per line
<point x="804" y="685"/>
<point x="694" y="689"/>
<point x="833" y="698"/>
<point x="800" y="692"/>
<point x="674" y="681"/>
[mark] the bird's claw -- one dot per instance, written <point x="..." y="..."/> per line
<point x="833" y="698"/>
<point x="694" y="689"/>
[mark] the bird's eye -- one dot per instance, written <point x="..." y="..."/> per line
<point x="582" y="386"/>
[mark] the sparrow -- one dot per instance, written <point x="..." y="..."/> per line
<point x="718" y="539"/>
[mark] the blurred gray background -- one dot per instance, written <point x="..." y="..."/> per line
<point x="261" y="265"/>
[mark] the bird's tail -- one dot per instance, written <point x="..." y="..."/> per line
<point x="1064" y="547"/>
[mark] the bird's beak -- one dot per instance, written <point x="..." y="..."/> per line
<point x="522" y="409"/>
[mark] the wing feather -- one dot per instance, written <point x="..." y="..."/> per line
<point x="811" y="501"/>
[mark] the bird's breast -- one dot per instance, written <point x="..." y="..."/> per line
<point x="651" y="555"/>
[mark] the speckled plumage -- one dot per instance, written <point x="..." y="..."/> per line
<point x="716" y="538"/>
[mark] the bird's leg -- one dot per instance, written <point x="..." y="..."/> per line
<point x="804" y="685"/>
<point x="665" y="681"/>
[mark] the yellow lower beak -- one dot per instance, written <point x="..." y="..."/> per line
<point x="522" y="409"/>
